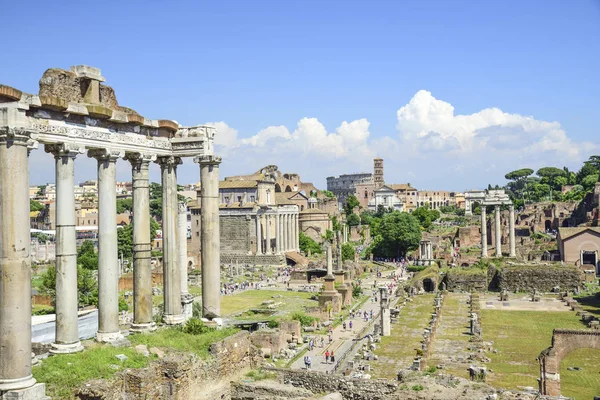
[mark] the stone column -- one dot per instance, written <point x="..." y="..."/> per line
<point x="210" y="236"/>
<point x="258" y="235"/>
<point x="171" y="275"/>
<point x="277" y="234"/>
<point x="288" y="232"/>
<point x="483" y="232"/>
<point x="384" y="312"/>
<point x="186" y="298"/>
<point x="67" y="331"/>
<point x="15" y="263"/>
<point x="142" y="244"/>
<point x="268" y="234"/>
<point x="108" y="266"/>
<point x="511" y="230"/>
<point x="498" y="231"/>
<point x="296" y="233"/>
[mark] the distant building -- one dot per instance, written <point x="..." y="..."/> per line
<point x="580" y="246"/>
<point x="385" y="196"/>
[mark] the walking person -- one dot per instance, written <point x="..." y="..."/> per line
<point x="344" y="325"/>
<point x="350" y="325"/>
<point x="306" y="362"/>
<point x="327" y="357"/>
<point x="332" y="357"/>
<point x="309" y="362"/>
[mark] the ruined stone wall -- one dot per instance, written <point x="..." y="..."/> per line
<point x="469" y="236"/>
<point x="235" y="234"/>
<point x="456" y="279"/>
<point x="349" y="388"/>
<point x="265" y="259"/>
<point x="181" y="376"/>
<point x="356" y="233"/>
<point x="541" y="277"/>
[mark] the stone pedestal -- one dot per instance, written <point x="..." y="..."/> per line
<point x="343" y="289"/>
<point x="35" y="392"/>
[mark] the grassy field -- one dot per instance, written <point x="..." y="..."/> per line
<point x="292" y="301"/>
<point x="398" y="350"/>
<point x="63" y="374"/>
<point x="520" y="336"/>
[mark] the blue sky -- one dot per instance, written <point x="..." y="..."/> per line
<point x="453" y="94"/>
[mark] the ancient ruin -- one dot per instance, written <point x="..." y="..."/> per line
<point x="75" y="113"/>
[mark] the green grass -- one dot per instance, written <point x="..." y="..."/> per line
<point x="173" y="338"/>
<point x="63" y="374"/>
<point x="36" y="281"/>
<point x="520" y="336"/>
<point x="291" y="301"/>
<point x="41" y="309"/>
<point x="398" y="350"/>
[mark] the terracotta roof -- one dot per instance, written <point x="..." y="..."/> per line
<point x="284" y="197"/>
<point x="401" y="186"/>
<point x="566" y="233"/>
<point x="237" y="184"/>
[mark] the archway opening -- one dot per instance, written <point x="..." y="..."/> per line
<point x="464" y="264"/>
<point x="277" y="188"/>
<point x="548" y="225"/>
<point x="288" y="188"/>
<point x="428" y="285"/>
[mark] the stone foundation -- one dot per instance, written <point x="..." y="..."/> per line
<point x="541" y="277"/>
<point x="252" y="259"/>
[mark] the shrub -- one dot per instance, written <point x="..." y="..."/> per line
<point x="196" y="310"/>
<point x="416" y="268"/>
<point x="417" y="388"/>
<point x="273" y="324"/>
<point x="356" y="290"/>
<point x="194" y="326"/>
<point x="305" y="320"/>
<point x="308" y="244"/>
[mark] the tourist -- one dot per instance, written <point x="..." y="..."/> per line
<point x="310" y="345"/>
<point x="371" y="314"/>
<point x="327" y="357"/>
<point x="332" y="357"/>
<point x="306" y="362"/>
<point x="330" y="338"/>
<point x="322" y="341"/>
<point x="344" y="325"/>
<point x="350" y="325"/>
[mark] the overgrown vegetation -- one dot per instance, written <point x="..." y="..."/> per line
<point x="304" y="319"/>
<point x="308" y="244"/>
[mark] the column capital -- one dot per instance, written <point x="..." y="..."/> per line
<point x="18" y="136"/>
<point x="511" y="207"/>
<point x="106" y="154"/>
<point x="168" y="161"/>
<point x="64" y="149"/>
<point x="208" y="160"/>
<point x="181" y="208"/>
<point x="137" y="159"/>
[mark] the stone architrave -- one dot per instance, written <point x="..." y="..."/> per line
<point x="483" y="232"/>
<point x="498" y="233"/>
<point x="67" y="330"/>
<point x="142" y="246"/>
<point x="108" y="271"/>
<point x="186" y="298"/>
<point x="211" y="259"/>
<point x="171" y="269"/>
<point x="15" y="263"/>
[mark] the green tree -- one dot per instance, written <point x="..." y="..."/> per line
<point x="348" y="251"/>
<point x="366" y="217"/>
<point x="41" y="190"/>
<point x="426" y="216"/>
<point x="586" y="170"/>
<point x="589" y="182"/>
<point x="519" y="181"/>
<point x="87" y="257"/>
<point x="351" y="203"/>
<point x="124" y="205"/>
<point x="87" y="285"/>
<point x="308" y="244"/>
<point x="353" y="220"/>
<point x="35" y="205"/>
<point x="328" y="194"/>
<point x="399" y="233"/>
<point x="125" y="241"/>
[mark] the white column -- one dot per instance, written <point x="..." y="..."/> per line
<point x="511" y="230"/>
<point x="15" y="263"/>
<point x="483" y="232"/>
<point x="211" y="239"/>
<point x="498" y="231"/>
<point x="142" y="244"/>
<point x="186" y="298"/>
<point x="277" y="234"/>
<point x="171" y="270"/>
<point x="108" y="266"/>
<point x="67" y="330"/>
<point x="296" y="232"/>
<point x="258" y="235"/>
<point x="268" y="234"/>
<point x="288" y="236"/>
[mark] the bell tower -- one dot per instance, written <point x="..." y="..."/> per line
<point x="378" y="172"/>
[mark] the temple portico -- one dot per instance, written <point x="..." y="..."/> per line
<point x="74" y="113"/>
<point x="497" y="198"/>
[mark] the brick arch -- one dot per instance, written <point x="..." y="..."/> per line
<point x="564" y="341"/>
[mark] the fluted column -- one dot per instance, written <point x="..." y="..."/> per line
<point x="171" y="274"/>
<point x="67" y="330"/>
<point x="142" y="244"/>
<point x="258" y="235"/>
<point x="286" y="228"/>
<point x="211" y="241"/>
<point x="15" y="263"/>
<point x="277" y="235"/>
<point x="297" y="232"/>
<point x="268" y="233"/>
<point x="483" y="232"/>
<point x="498" y="231"/>
<point x="108" y="270"/>
<point x="511" y="230"/>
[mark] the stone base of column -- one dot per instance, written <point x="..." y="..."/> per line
<point x="174" y="319"/>
<point x="8" y="385"/>
<point x="109" y="337"/>
<point x="63" y="348"/>
<point x="216" y="323"/>
<point x="187" y="302"/>
<point x="142" y="328"/>
<point x="35" y="392"/>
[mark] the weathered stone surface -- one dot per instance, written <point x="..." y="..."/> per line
<point x="541" y="277"/>
<point x="67" y="85"/>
